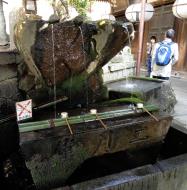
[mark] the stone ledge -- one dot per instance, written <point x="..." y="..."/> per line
<point x="170" y="174"/>
<point x="8" y="50"/>
<point x="178" y="125"/>
<point x="8" y="72"/>
<point x="171" y="163"/>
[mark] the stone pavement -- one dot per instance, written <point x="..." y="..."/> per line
<point x="179" y="85"/>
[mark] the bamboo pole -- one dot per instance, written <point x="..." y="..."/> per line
<point x="40" y="125"/>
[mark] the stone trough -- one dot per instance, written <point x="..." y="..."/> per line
<point x="166" y="174"/>
<point x="52" y="154"/>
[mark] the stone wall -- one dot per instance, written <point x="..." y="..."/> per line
<point x="9" y="93"/>
<point x="121" y="66"/>
<point x="170" y="174"/>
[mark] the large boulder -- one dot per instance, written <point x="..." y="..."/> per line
<point x="67" y="56"/>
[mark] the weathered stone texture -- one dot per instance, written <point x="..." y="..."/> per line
<point x="170" y="174"/>
<point x="9" y="92"/>
<point x="53" y="155"/>
<point x="58" y="53"/>
<point x="150" y="91"/>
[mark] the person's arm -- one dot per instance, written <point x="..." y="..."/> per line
<point x="175" y="54"/>
<point x="154" y="54"/>
<point x="148" y="48"/>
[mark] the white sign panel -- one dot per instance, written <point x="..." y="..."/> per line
<point x="24" y="110"/>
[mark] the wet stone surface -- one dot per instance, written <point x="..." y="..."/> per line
<point x="157" y="92"/>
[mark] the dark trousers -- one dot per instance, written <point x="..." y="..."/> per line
<point x="149" y="59"/>
<point x="159" y="77"/>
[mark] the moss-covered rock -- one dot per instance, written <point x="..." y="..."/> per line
<point x="67" y="55"/>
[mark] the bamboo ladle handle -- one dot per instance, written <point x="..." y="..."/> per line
<point x="141" y="106"/>
<point x="156" y="119"/>
<point x="102" y="123"/>
<point x="69" y="127"/>
<point x="94" y="112"/>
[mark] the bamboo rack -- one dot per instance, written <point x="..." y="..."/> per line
<point x="45" y="124"/>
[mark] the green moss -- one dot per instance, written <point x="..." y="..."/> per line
<point x="137" y="95"/>
<point x="76" y="83"/>
<point x="145" y="78"/>
<point x="104" y="93"/>
<point x="123" y="100"/>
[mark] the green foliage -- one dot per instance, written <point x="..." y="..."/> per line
<point x="80" y="5"/>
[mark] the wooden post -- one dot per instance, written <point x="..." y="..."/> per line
<point x="181" y="39"/>
<point x="140" y="45"/>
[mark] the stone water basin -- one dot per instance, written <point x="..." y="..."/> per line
<point x="150" y="91"/>
<point x="52" y="154"/>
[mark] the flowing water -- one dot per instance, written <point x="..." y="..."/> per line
<point x="54" y="70"/>
<point x="84" y="62"/>
<point x="128" y="82"/>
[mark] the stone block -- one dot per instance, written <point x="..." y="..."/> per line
<point x="8" y="72"/>
<point x="170" y="174"/>
<point x="53" y="155"/>
<point x="118" y="74"/>
<point x="136" y="179"/>
<point x="7" y="58"/>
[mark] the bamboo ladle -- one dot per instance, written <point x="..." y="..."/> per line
<point x="94" y="112"/>
<point x="64" y="115"/>
<point x="141" y="106"/>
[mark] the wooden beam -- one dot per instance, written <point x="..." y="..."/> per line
<point x="160" y="2"/>
<point x="119" y="8"/>
<point x="122" y="5"/>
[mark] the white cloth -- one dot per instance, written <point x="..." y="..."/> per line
<point x="165" y="71"/>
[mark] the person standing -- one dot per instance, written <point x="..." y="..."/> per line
<point x="150" y="48"/>
<point x="165" y="55"/>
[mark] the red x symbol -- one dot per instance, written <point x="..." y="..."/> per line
<point x="24" y="108"/>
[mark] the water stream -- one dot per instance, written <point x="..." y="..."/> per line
<point x="84" y="62"/>
<point x="128" y="82"/>
<point x="54" y="71"/>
